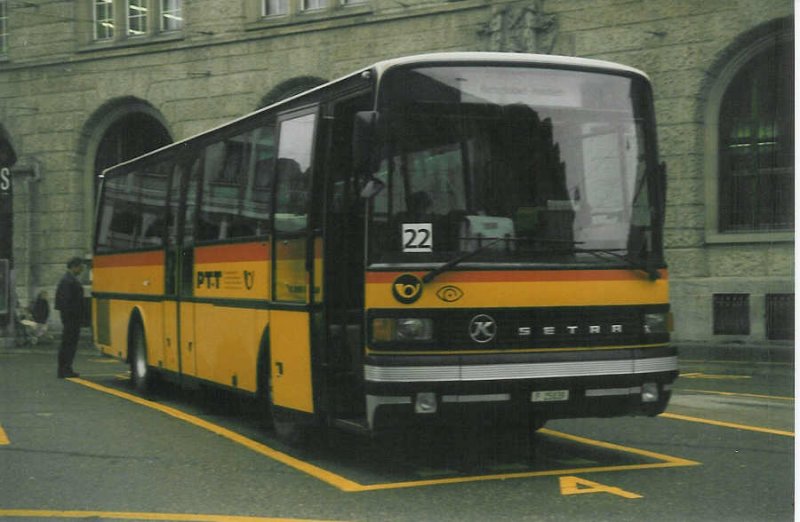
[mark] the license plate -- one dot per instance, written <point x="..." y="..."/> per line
<point x="550" y="396"/>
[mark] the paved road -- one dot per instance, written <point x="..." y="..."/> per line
<point x="88" y="448"/>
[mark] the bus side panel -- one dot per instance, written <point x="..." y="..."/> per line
<point x="290" y="352"/>
<point x="139" y="273"/>
<point x="227" y="331"/>
<point x="169" y="357"/>
<point x="232" y="271"/>
<point x="228" y="340"/>
<point x="123" y="281"/>
<point x="188" y="340"/>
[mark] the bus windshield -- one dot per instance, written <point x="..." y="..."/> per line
<point x="515" y="165"/>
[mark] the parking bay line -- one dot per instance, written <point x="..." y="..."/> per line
<point x="123" y="515"/>
<point x="350" y="486"/>
<point x="737" y="394"/>
<point x="723" y="424"/>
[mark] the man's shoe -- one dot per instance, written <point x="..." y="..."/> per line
<point x="68" y="374"/>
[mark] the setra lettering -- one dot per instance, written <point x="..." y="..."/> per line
<point x="549" y="331"/>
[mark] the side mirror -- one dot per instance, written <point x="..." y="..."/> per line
<point x="372" y="188"/>
<point x="366" y="159"/>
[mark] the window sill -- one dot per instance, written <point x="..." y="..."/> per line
<point x="134" y="41"/>
<point x="308" y="16"/>
<point x="722" y="238"/>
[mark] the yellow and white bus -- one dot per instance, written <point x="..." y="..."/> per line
<point x="428" y="238"/>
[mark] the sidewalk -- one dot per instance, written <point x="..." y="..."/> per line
<point x="9" y="344"/>
<point x="757" y="353"/>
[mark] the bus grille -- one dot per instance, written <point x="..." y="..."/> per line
<point x="530" y="328"/>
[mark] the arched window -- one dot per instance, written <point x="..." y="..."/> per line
<point x="289" y="88"/>
<point x="755" y="147"/>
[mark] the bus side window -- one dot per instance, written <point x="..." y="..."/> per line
<point x="154" y="209"/>
<point x="132" y="212"/>
<point x="294" y="173"/>
<point x="236" y="187"/>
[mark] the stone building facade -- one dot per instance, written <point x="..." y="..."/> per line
<point x="87" y="83"/>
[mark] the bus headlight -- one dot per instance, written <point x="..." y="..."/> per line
<point x="658" y="323"/>
<point x="388" y="329"/>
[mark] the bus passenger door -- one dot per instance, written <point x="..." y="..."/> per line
<point x="186" y="278"/>
<point x="294" y="246"/>
<point x="179" y="342"/>
<point x="170" y="359"/>
<point x="344" y="262"/>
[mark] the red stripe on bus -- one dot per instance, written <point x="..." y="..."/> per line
<point x="514" y="276"/>
<point x="151" y="258"/>
<point x="232" y="253"/>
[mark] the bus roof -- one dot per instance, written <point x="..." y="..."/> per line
<point x="509" y="58"/>
<point x="379" y="68"/>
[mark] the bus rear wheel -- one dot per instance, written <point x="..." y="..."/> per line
<point x="141" y="378"/>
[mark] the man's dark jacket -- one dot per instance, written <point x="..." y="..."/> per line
<point x="69" y="297"/>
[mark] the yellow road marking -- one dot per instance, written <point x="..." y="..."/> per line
<point x="122" y="515"/>
<point x="350" y="486"/>
<point x="581" y="486"/>
<point x="740" y="363"/>
<point x="746" y="427"/>
<point x="667" y="462"/>
<point x="3" y="438"/>
<point x="305" y="467"/>
<point x="718" y="377"/>
<point x="733" y="394"/>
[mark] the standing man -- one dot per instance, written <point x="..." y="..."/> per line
<point x="69" y="301"/>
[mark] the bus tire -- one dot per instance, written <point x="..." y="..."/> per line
<point x="288" y="429"/>
<point x="141" y="376"/>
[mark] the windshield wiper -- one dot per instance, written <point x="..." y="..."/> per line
<point x="427" y="278"/>
<point x="651" y="271"/>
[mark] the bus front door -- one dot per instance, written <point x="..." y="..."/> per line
<point x="293" y="265"/>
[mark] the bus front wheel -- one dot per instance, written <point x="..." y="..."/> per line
<point x="141" y="378"/>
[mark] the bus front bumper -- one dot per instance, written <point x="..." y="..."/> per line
<point x="513" y="388"/>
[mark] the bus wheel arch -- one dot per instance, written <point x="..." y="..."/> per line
<point x="287" y="425"/>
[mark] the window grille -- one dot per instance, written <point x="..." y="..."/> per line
<point x="3" y="27"/>
<point x="756" y="145"/>
<point x="731" y="314"/>
<point x="780" y="316"/>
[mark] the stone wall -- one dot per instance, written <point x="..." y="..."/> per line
<point x="56" y="85"/>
